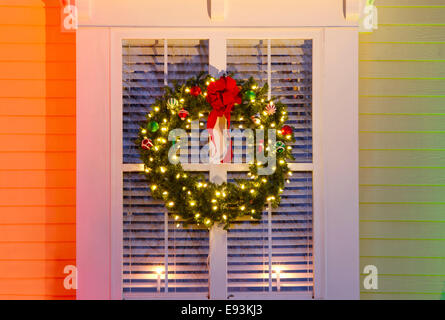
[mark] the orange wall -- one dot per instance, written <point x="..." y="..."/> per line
<point x="37" y="150"/>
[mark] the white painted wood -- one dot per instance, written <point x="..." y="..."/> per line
<point x="84" y="10"/>
<point x="269" y="69"/>
<point x="217" y="174"/>
<point x="93" y="225"/>
<point x="217" y="263"/>
<point x="269" y="243"/>
<point x="340" y="161"/>
<point x="318" y="166"/>
<point x="217" y="10"/>
<point x="246" y="13"/>
<point x="116" y="174"/>
<point x="228" y="167"/>
<point x="352" y="9"/>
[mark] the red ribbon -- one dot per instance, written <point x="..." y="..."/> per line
<point x="222" y="96"/>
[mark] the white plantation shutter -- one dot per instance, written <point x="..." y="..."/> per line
<point x="148" y="65"/>
<point x="282" y="239"/>
<point x="290" y="65"/>
<point x="151" y="240"/>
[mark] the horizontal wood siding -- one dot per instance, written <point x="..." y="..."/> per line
<point x="37" y="151"/>
<point x="402" y="150"/>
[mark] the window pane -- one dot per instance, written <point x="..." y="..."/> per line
<point x="144" y="76"/>
<point x="145" y="239"/>
<point x="291" y="77"/>
<point x="290" y="246"/>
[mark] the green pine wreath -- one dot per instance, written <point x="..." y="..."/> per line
<point x="190" y="198"/>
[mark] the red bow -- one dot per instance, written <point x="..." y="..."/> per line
<point x="222" y="95"/>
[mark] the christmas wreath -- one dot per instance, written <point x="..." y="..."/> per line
<point x="190" y="198"/>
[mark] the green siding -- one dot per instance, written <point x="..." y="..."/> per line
<point x="402" y="150"/>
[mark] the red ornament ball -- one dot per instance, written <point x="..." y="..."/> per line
<point x="286" y="130"/>
<point x="183" y="114"/>
<point x="147" y="144"/>
<point x="195" y="91"/>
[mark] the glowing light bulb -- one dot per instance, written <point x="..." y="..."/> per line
<point x="156" y="109"/>
<point x="224" y="217"/>
<point x="154" y="187"/>
<point x="192" y="203"/>
<point x="144" y="131"/>
<point x="215" y="208"/>
<point x="243" y="208"/>
<point x="171" y="204"/>
<point x="159" y="270"/>
<point x="163" y="170"/>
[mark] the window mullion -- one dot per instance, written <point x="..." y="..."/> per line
<point x="217" y="174"/>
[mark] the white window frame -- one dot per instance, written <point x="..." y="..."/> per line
<point x="335" y="153"/>
<point x="218" y="237"/>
